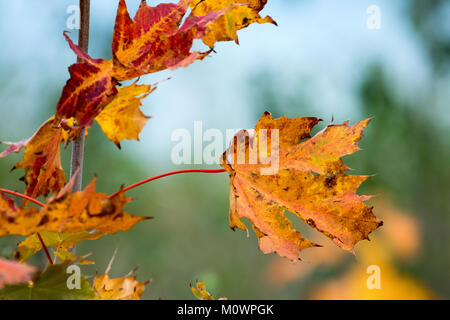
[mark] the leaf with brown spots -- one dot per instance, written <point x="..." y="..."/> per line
<point x="71" y="213"/>
<point x="89" y="89"/>
<point x="279" y="167"/>
<point x="154" y="41"/>
<point x="8" y="205"/>
<point x="122" y="118"/>
<point x="225" y="28"/>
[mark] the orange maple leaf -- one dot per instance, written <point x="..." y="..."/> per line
<point x="154" y="40"/>
<point x="41" y="159"/>
<point x="70" y="213"/>
<point x="310" y="182"/>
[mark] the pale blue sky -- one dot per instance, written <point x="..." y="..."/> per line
<point x="327" y="42"/>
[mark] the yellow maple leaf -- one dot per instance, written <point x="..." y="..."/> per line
<point x="64" y="255"/>
<point x="122" y="118"/>
<point x="242" y="14"/>
<point x="32" y="244"/>
<point x="307" y="179"/>
<point x="126" y="288"/>
<point x="201" y="293"/>
<point x="71" y="213"/>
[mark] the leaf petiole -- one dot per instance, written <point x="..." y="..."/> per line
<point x="166" y="175"/>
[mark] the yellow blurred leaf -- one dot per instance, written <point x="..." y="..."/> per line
<point x="281" y="272"/>
<point x="401" y="232"/>
<point x="201" y="293"/>
<point x="90" y="88"/>
<point x="353" y="285"/>
<point x="64" y="255"/>
<point x="126" y="288"/>
<point x="32" y="244"/>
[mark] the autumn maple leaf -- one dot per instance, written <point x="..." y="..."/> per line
<point x="158" y="38"/>
<point x="122" y="119"/>
<point x="309" y="181"/>
<point x="225" y="28"/>
<point x="154" y="40"/>
<point x="33" y="244"/>
<point x="89" y="89"/>
<point x="126" y="288"/>
<point x="65" y="255"/>
<point x="41" y="159"/>
<point x="70" y="213"/>
<point x="200" y="292"/>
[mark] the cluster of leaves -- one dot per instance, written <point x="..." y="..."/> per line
<point x="20" y="284"/>
<point x="311" y="181"/>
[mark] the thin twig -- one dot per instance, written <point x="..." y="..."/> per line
<point x="22" y="196"/>
<point x="77" y="159"/>
<point x="45" y="248"/>
<point x="165" y="175"/>
<point x="78" y="145"/>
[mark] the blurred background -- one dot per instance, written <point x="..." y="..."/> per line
<point x="322" y="60"/>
